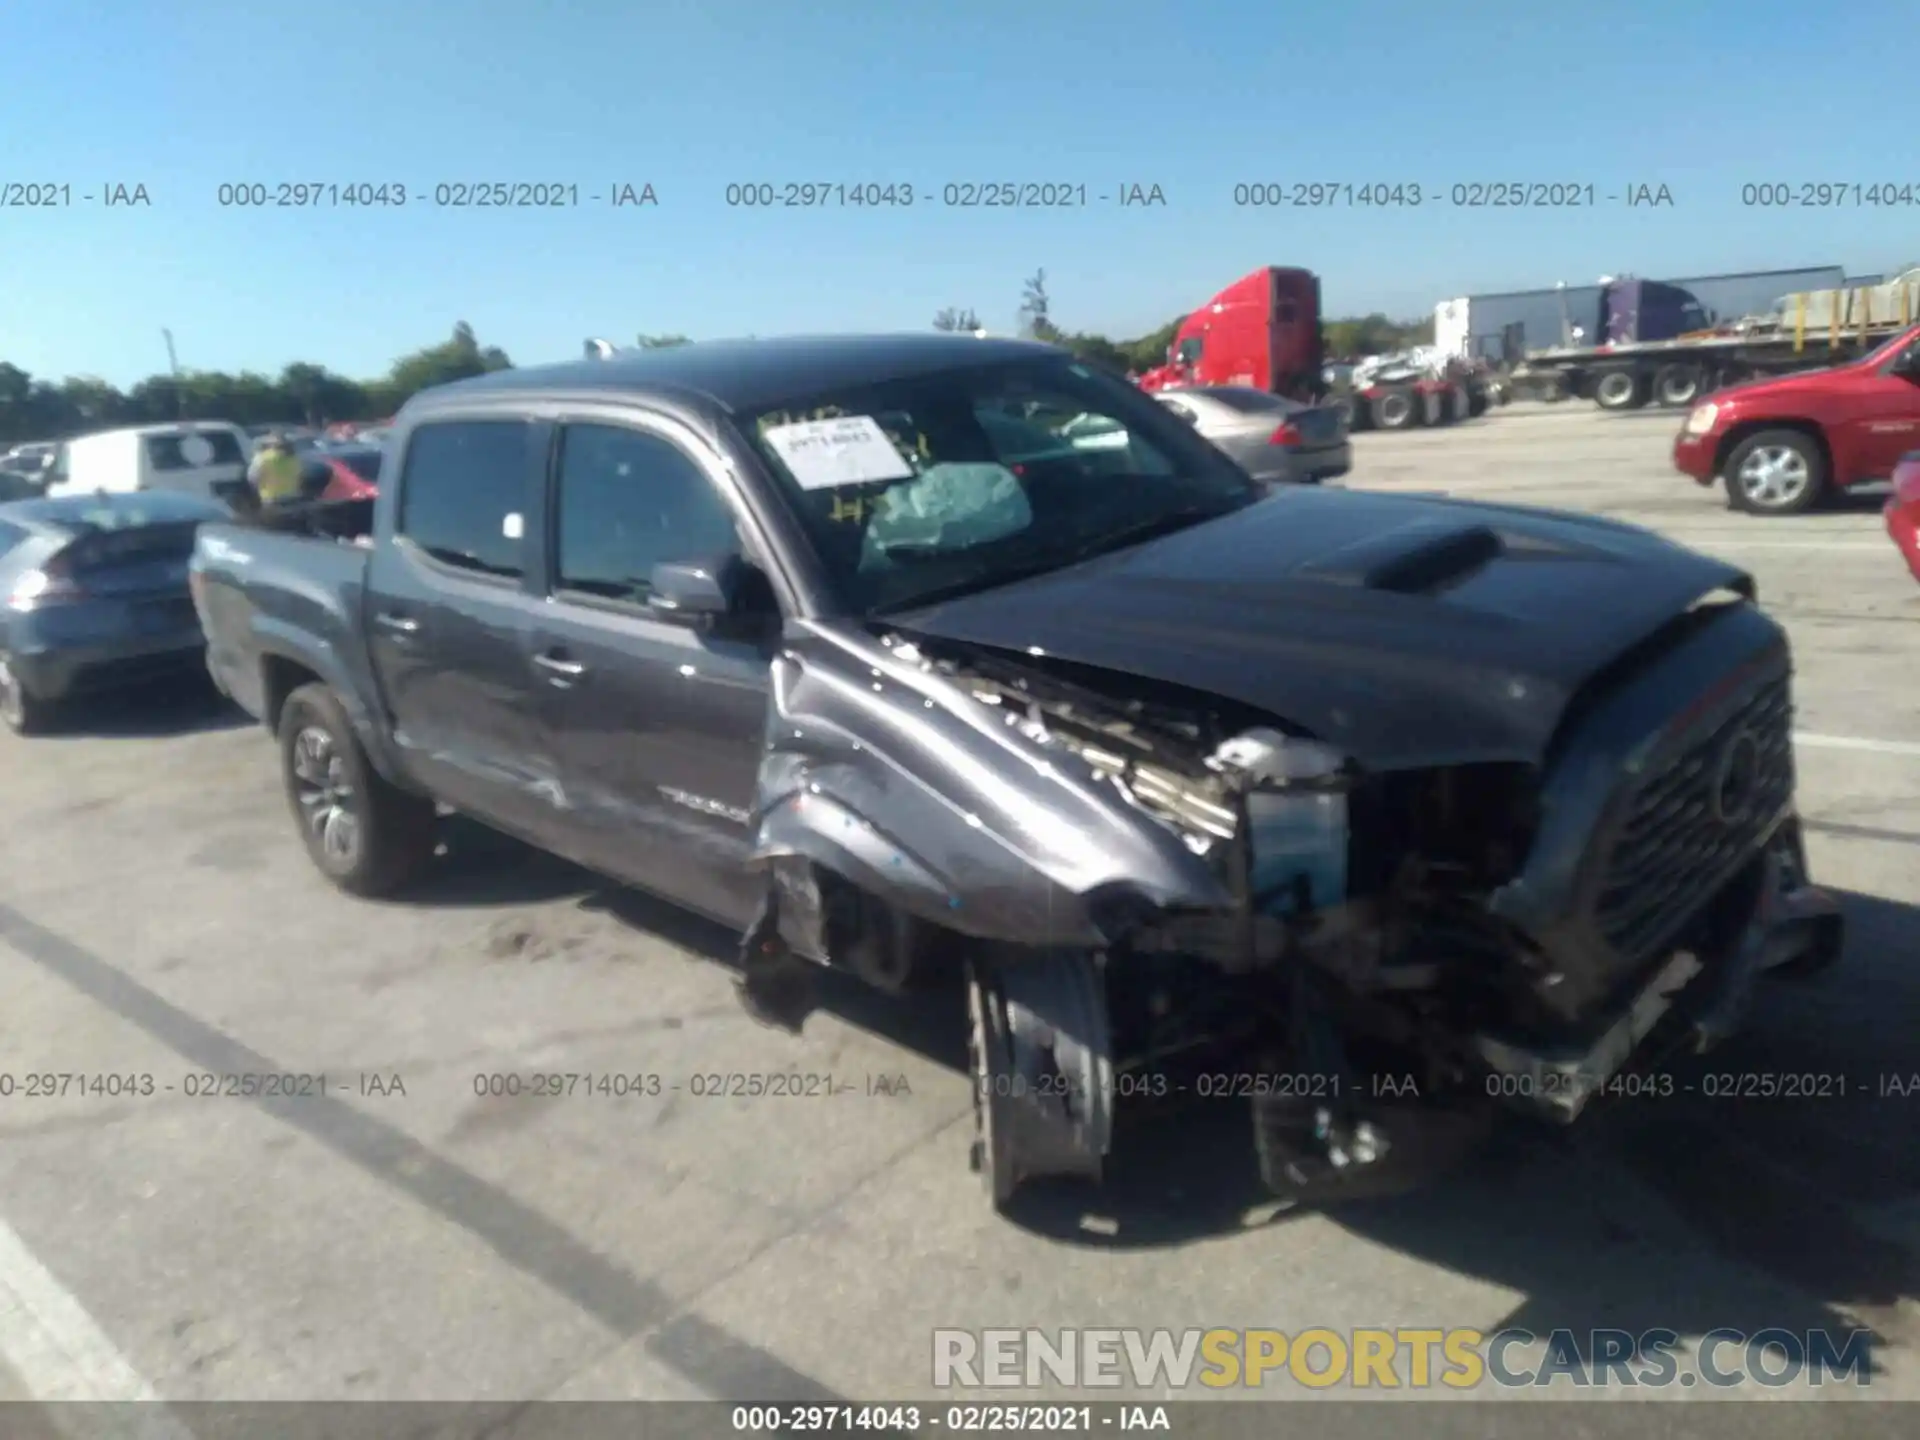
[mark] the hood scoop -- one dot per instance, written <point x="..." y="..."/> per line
<point x="1411" y="559"/>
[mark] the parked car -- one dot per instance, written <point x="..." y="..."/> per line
<point x="97" y="597"/>
<point x="1272" y="438"/>
<point x="341" y="472"/>
<point x="192" y="457"/>
<point x="20" y="485"/>
<point x="1272" y="791"/>
<point x="30" y="459"/>
<point x="1782" y="445"/>
<point x="1903" y="510"/>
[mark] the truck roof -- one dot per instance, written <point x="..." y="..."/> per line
<point x="745" y="375"/>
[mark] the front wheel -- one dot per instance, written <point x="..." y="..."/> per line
<point x="364" y="834"/>
<point x="1041" y="1063"/>
<point x="1777" y="472"/>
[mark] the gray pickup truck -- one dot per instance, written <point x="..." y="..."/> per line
<point x="938" y="655"/>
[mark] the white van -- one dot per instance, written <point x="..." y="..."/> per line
<point x="197" y="457"/>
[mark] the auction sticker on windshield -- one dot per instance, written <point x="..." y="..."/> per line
<point x="847" y="450"/>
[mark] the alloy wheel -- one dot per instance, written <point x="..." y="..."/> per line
<point x="1773" y="476"/>
<point x="325" y="793"/>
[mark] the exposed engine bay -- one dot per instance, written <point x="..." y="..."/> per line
<point x="1399" y="951"/>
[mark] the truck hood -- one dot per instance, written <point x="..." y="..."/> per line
<point x="1406" y="631"/>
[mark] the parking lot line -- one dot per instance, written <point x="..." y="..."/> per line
<point x="60" y="1355"/>
<point x="1855" y="742"/>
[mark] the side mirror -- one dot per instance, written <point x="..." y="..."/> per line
<point x="724" y="591"/>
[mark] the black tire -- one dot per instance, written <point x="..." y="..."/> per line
<point x="1033" y="1025"/>
<point x="1476" y="404"/>
<point x="1619" y="389"/>
<point x="1396" y="409"/>
<point x="22" y="711"/>
<point x="1677" y="386"/>
<point x="1776" y="472"/>
<point x="389" y="833"/>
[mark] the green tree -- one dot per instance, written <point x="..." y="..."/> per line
<point x="956" y="319"/>
<point x="662" y="342"/>
<point x="1036" y="310"/>
<point x="460" y="358"/>
<point x="1100" y="351"/>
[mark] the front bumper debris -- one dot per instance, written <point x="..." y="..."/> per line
<point x="1793" y="924"/>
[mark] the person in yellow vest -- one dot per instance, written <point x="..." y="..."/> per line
<point x="275" y="471"/>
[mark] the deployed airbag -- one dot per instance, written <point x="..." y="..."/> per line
<point x="948" y="507"/>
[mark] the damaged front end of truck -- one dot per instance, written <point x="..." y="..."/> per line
<point x="1155" y="894"/>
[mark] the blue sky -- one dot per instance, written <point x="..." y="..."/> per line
<point x="689" y="95"/>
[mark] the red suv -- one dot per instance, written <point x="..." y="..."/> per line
<point x="1783" y="444"/>
<point x="1903" y="510"/>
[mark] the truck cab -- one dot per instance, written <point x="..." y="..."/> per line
<point x="1262" y="331"/>
<point x="1783" y="444"/>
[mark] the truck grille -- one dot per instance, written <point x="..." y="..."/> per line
<point x="1695" y="820"/>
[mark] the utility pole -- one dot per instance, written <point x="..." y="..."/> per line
<point x="179" y="390"/>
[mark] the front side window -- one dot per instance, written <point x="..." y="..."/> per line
<point x="463" y="493"/>
<point x="629" y="501"/>
<point x="965" y="479"/>
<point x="1188" y="351"/>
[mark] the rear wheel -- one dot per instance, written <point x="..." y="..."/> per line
<point x="1619" y="390"/>
<point x="364" y="834"/>
<point x="21" y="711"/>
<point x="1777" y="472"/>
<point x="1676" y="386"/>
<point x="1396" y="409"/>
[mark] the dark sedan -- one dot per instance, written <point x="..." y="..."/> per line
<point x="1271" y="437"/>
<point x="96" y="597"/>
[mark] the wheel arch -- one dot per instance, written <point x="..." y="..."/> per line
<point x="1738" y="434"/>
<point x="289" y="660"/>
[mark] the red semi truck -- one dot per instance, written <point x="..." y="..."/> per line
<point x="1264" y="331"/>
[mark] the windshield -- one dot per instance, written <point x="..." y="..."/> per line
<point x="1887" y="349"/>
<point x="924" y="488"/>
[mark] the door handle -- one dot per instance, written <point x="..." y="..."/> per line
<point x="397" y="624"/>
<point x="560" y="667"/>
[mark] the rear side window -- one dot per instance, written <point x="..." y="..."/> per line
<point x="463" y="493"/>
<point x="176" y="452"/>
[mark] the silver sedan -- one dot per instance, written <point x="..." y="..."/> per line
<point x="1271" y="437"/>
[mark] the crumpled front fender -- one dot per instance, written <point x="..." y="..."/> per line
<point x="887" y="773"/>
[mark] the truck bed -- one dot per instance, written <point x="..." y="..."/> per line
<point x="1811" y="342"/>
<point x="286" y="585"/>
